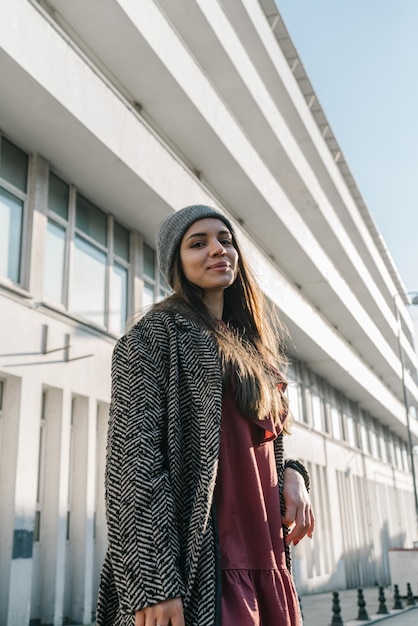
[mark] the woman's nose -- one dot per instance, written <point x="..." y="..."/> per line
<point x="217" y="248"/>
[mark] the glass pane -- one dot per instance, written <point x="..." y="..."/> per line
<point x="13" y="165"/>
<point x="149" y="262"/>
<point x="88" y="282"/>
<point x="364" y="438"/>
<point x="120" y="241"/>
<point x="54" y="262"/>
<point x="91" y="220"/>
<point x="118" y="306"/>
<point x="58" y="193"/>
<point x="405" y="459"/>
<point x="147" y="296"/>
<point x="293" y="394"/>
<point x="11" y="213"/>
<point x="317" y="412"/>
<point x="373" y="443"/>
<point x="336" y="422"/>
<point x="351" y="431"/>
<point x="383" y="449"/>
<point x="398" y="456"/>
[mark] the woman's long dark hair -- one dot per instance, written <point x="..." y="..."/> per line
<point x="250" y="344"/>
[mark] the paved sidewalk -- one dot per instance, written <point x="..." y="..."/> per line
<point x="317" y="609"/>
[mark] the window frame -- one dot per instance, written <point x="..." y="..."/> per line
<point x="24" y="252"/>
<point x="157" y="283"/>
<point x="71" y="232"/>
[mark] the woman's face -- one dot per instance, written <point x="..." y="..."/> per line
<point x="207" y="255"/>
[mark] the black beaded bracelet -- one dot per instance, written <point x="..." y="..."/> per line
<point x="299" y="467"/>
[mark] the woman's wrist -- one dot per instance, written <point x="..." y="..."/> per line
<point x="299" y="467"/>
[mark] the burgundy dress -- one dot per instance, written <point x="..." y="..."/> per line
<point x="257" y="588"/>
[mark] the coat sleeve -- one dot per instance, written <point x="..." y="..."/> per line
<point x="143" y="541"/>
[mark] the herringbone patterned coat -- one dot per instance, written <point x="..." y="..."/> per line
<point x="162" y="457"/>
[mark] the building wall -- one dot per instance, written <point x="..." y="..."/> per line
<point x="86" y="175"/>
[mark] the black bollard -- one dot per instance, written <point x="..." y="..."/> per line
<point x="383" y="609"/>
<point x="410" y="600"/>
<point x="336" y="610"/>
<point x="396" y="596"/>
<point x="361" y="603"/>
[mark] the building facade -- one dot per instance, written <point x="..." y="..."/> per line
<point x="114" y="113"/>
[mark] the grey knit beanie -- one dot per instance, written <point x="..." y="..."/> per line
<point x="171" y="232"/>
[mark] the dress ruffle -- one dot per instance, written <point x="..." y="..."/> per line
<point x="243" y="592"/>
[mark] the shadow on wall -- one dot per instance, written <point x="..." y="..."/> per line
<point x="368" y="564"/>
<point x="364" y="566"/>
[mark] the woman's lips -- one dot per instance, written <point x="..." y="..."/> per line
<point x="219" y="266"/>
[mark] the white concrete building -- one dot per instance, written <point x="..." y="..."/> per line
<point x="113" y="113"/>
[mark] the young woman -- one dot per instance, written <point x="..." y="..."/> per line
<point x="201" y="506"/>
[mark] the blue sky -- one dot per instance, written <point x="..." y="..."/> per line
<point x="361" y="57"/>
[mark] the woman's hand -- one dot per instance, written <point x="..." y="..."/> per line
<point x="169" y="613"/>
<point x="299" y="513"/>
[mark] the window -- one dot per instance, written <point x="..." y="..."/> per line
<point x="92" y="281"/>
<point x="398" y="453"/>
<point x="148" y="296"/>
<point x="350" y="422"/>
<point x="335" y="411"/>
<point x="382" y="444"/>
<point x="118" y="310"/>
<point x="13" y="182"/>
<point x="320" y="406"/>
<point x="405" y="458"/>
<point x="56" y="240"/>
<point x="327" y="391"/>
<point x="294" y="392"/>
<point x="336" y="422"/>
<point x="317" y="412"/>
<point x="305" y="376"/>
<point x="364" y="435"/>
<point x="155" y="288"/>
<point x="88" y="288"/>
<point x="374" y="444"/>
<point x="351" y="431"/>
<point x="391" y="449"/>
<point x="318" y="403"/>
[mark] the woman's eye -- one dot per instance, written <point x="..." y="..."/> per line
<point x="226" y="242"/>
<point x="198" y="244"/>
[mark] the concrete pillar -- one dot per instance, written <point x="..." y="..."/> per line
<point x="62" y="509"/>
<point x="90" y="509"/>
<point x="49" y="521"/>
<point x="8" y="462"/>
<point x="78" y="493"/>
<point x="20" y="582"/>
<point x="79" y="568"/>
<point x="100" y="537"/>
